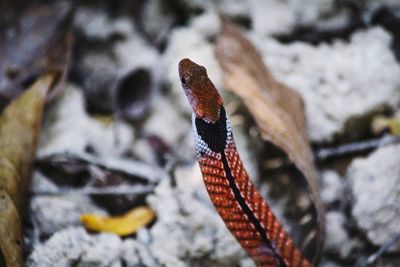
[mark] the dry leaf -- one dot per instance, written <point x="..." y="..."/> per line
<point x="35" y="40"/>
<point x="277" y="110"/>
<point x="381" y="124"/>
<point x="19" y="124"/>
<point x="122" y="225"/>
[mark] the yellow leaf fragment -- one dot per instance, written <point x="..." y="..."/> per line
<point x="380" y="124"/>
<point x="122" y="225"/>
<point x="105" y="120"/>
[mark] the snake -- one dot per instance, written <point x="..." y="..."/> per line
<point x="236" y="199"/>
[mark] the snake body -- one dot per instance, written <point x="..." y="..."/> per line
<point x="245" y="213"/>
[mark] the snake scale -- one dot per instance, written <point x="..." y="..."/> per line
<point x="245" y="213"/>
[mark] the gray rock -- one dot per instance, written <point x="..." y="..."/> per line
<point x="375" y="183"/>
<point x="310" y="12"/>
<point x="168" y="124"/>
<point x="68" y="128"/>
<point x="332" y="188"/>
<point x="41" y="184"/>
<point x="135" y="52"/>
<point x="336" y="81"/>
<point x="130" y="253"/>
<point x="157" y="19"/>
<point x="167" y="120"/>
<point x="274" y="16"/>
<point x="53" y="213"/>
<point x="136" y="254"/>
<point x="73" y="246"/>
<point x="337" y="240"/>
<point x="206" y="24"/>
<point x="234" y="8"/>
<point x="97" y="25"/>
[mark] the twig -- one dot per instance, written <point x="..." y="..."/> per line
<point x="139" y="170"/>
<point x="116" y="190"/>
<point x="346" y="149"/>
<point x="385" y="247"/>
<point x="331" y="152"/>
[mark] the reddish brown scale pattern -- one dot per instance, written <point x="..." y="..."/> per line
<point x="237" y="225"/>
<point x="218" y="189"/>
<point x="223" y="203"/>
<point x="215" y="181"/>
<point x="261" y="210"/>
<point x="245" y="235"/>
<point x="230" y="211"/>
<point x="228" y="216"/>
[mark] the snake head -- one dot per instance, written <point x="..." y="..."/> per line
<point x="200" y="91"/>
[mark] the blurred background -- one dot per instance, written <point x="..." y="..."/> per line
<point x="116" y="130"/>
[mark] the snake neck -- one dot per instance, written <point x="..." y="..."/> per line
<point x="211" y="138"/>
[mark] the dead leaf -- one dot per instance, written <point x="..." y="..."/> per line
<point x="123" y="225"/>
<point x="277" y="110"/>
<point x="35" y="40"/>
<point x="381" y="124"/>
<point x="19" y="124"/>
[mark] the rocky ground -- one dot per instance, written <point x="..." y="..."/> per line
<point x="123" y="121"/>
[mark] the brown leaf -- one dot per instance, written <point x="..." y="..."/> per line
<point x="19" y="124"/>
<point x="35" y="40"/>
<point x="277" y="110"/>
